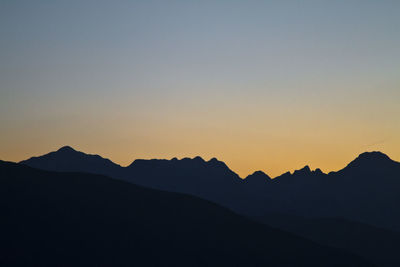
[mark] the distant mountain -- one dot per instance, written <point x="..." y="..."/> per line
<point x="258" y="178"/>
<point x="77" y="219"/>
<point x="69" y="160"/>
<point x="194" y="176"/>
<point x="371" y="184"/>
<point x="255" y="186"/>
<point x="371" y="161"/>
<point x="367" y="190"/>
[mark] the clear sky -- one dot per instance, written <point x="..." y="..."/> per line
<point x="261" y="85"/>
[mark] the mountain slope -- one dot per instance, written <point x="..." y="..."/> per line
<point x="51" y="218"/>
<point x="377" y="245"/>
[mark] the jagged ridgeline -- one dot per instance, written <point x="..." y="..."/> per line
<point x="367" y="190"/>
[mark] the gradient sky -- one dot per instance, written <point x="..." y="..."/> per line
<point x="261" y="85"/>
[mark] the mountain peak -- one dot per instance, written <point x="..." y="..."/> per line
<point x="374" y="155"/>
<point x="258" y="175"/>
<point x="70" y="160"/>
<point x="318" y="171"/>
<point x="199" y="159"/>
<point x="213" y="160"/>
<point x="216" y="162"/>
<point x="368" y="160"/>
<point x="66" y="149"/>
<point x="305" y="170"/>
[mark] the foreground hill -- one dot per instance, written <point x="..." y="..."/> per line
<point x="377" y="245"/>
<point x="78" y="219"/>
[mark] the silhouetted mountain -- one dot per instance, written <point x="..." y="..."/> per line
<point x="367" y="190"/>
<point x="187" y="174"/>
<point x="76" y="219"/>
<point x="371" y="184"/>
<point x="70" y="160"/>
<point x="211" y="180"/>
<point x="194" y="176"/>
<point x="371" y="161"/>
<point x="258" y="177"/>
<point x="255" y="185"/>
<point x="377" y="245"/>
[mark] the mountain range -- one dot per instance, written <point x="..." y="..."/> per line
<point x="366" y="190"/>
<point x="81" y="219"/>
<point x="353" y="209"/>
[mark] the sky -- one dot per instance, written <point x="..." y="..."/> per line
<point x="261" y="85"/>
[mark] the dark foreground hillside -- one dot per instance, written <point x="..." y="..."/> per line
<point x="377" y="245"/>
<point x="75" y="219"/>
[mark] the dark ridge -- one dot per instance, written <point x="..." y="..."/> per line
<point x="70" y="160"/>
<point x="66" y="149"/>
<point x="304" y="171"/>
<point x="150" y="161"/>
<point x="368" y="160"/>
<point x="286" y="174"/>
<point x="198" y="158"/>
<point x="371" y="157"/>
<point x="259" y="175"/>
<point x="213" y="160"/>
<point x="216" y="162"/>
<point x="186" y="160"/>
<point x="374" y="155"/>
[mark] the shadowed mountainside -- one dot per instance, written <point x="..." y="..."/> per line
<point x="377" y="245"/>
<point x="54" y="218"/>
